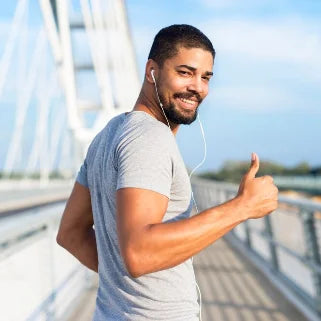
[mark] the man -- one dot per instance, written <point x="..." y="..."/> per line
<point x="134" y="187"/>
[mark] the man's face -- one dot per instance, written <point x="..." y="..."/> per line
<point x="183" y="83"/>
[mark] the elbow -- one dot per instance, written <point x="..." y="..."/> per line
<point x="133" y="264"/>
<point x="134" y="273"/>
<point x="72" y="238"/>
<point x="60" y="239"/>
<point x="65" y="238"/>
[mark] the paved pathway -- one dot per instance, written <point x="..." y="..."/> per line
<point x="16" y="196"/>
<point x="232" y="290"/>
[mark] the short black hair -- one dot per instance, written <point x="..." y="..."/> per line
<point x="168" y="40"/>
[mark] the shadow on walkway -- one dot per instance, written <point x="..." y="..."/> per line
<point x="234" y="290"/>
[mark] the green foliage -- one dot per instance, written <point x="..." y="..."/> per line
<point x="34" y="175"/>
<point x="233" y="171"/>
<point x="316" y="171"/>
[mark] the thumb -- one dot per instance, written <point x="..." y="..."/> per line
<point x="254" y="168"/>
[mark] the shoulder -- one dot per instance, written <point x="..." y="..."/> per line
<point x="112" y="126"/>
<point x="144" y="131"/>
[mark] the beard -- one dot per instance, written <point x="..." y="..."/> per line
<point x="174" y="114"/>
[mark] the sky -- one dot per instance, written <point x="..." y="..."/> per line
<point x="265" y="94"/>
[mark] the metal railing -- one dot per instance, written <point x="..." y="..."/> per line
<point x="36" y="275"/>
<point x="308" y="183"/>
<point x="47" y="282"/>
<point x="286" y="243"/>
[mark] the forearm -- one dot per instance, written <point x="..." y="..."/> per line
<point x="83" y="246"/>
<point x="164" y="245"/>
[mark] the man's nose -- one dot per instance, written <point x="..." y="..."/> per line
<point x="197" y="85"/>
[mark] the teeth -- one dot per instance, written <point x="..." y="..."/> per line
<point x="188" y="101"/>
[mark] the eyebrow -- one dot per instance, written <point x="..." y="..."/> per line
<point x="208" y="73"/>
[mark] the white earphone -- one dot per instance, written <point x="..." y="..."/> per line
<point x="194" y="169"/>
<point x="152" y="74"/>
<point x="160" y="103"/>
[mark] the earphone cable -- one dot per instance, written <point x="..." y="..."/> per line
<point x="200" y="164"/>
<point x="161" y="105"/>
<point x="190" y="176"/>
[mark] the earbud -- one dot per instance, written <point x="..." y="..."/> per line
<point x="152" y="74"/>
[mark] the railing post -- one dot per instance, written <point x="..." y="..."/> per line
<point x="50" y="308"/>
<point x="222" y="196"/>
<point x="209" y="202"/>
<point x="272" y="247"/>
<point x="247" y="234"/>
<point x="198" y="197"/>
<point x="313" y="253"/>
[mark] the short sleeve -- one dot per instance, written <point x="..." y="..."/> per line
<point x="144" y="163"/>
<point x="82" y="175"/>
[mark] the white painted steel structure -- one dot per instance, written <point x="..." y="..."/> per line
<point x="71" y="28"/>
<point x="39" y="279"/>
<point x="37" y="276"/>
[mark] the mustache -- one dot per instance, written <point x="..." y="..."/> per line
<point x="189" y="96"/>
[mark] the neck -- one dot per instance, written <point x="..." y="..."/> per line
<point x="151" y="106"/>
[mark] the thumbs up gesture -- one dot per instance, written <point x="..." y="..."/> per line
<point x="259" y="195"/>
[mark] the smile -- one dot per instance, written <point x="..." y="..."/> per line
<point x="188" y="102"/>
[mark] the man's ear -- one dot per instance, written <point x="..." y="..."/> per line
<point x="150" y="65"/>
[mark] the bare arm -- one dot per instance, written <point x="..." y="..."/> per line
<point x="156" y="246"/>
<point x="148" y="245"/>
<point x="76" y="233"/>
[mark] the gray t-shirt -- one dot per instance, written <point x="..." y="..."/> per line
<point x="137" y="150"/>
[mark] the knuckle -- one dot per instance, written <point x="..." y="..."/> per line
<point x="268" y="178"/>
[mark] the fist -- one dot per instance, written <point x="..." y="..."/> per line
<point x="259" y="195"/>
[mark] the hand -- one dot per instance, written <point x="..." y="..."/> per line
<point x="259" y="195"/>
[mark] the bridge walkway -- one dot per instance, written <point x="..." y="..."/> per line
<point x="232" y="290"/>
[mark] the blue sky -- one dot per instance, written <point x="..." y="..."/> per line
<point x="265" y="94"/>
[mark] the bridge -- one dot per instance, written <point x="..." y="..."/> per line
<point x="302" y="183"/>
<point x="264" y="269"/>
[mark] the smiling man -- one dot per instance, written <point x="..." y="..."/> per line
<point x="134" y="188"/>
<point x="182" y="77"/>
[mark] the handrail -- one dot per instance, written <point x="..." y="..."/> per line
<point x="208" y="193"/>
<point x="64" y="283"/>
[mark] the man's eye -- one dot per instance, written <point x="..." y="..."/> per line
<point x="183" y="72"/>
